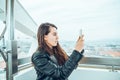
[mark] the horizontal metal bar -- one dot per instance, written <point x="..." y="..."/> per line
<point x="87" y="62"/>
<point x="25" y="60"/>
<point x="24" y="66"/>
<point x="110" y="61"/>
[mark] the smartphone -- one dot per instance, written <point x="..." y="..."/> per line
<point x="80" y="33"/>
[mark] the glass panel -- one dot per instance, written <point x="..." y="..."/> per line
<point x="99" y="21"/>
<point x="23" y="42"/>
<point x="2" y="45"/>
<point x="25" y="33"/>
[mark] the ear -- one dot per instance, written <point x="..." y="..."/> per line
<point x="45" y="37"/>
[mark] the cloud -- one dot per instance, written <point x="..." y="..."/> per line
<point x="98" y="18"/>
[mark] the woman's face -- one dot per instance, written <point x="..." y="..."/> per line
<point x="51" y="38"/>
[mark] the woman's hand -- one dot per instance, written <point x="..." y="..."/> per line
<point x="79" y="44"/>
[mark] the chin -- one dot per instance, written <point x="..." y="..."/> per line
<point x="55" y="45"/>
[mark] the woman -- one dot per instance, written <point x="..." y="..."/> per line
<point x="50" y="60"/>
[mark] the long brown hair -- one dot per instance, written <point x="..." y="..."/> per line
<point x="59" y="53"/>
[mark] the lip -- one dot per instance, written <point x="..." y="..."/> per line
<point x="56" y="42"/>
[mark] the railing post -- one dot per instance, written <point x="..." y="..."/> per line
<point x="11" y="67"/>
<point x="9" y="75"/>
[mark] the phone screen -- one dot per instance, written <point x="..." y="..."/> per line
<point x="80" y="33"/>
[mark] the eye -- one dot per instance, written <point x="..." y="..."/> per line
<point x="54" y="34"/>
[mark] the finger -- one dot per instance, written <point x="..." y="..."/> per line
<point x="81" y="37"/>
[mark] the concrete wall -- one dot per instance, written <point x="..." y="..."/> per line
<point x="78" y="74"/>
<point x="94" y="74"/>
<point x="28" y="74"/>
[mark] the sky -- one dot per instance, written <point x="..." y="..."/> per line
<point x="98" y="19"/>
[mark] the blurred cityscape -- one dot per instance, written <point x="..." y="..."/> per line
<point x="104" y="48"/>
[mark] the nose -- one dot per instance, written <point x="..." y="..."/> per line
<point x="57" y="37"/>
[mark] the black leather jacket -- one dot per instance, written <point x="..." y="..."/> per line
<point x="46" y="69"/>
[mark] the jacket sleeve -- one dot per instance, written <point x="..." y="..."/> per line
<point x="42" y="63"/>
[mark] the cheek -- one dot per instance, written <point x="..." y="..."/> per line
<point x="50" y="40"/>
